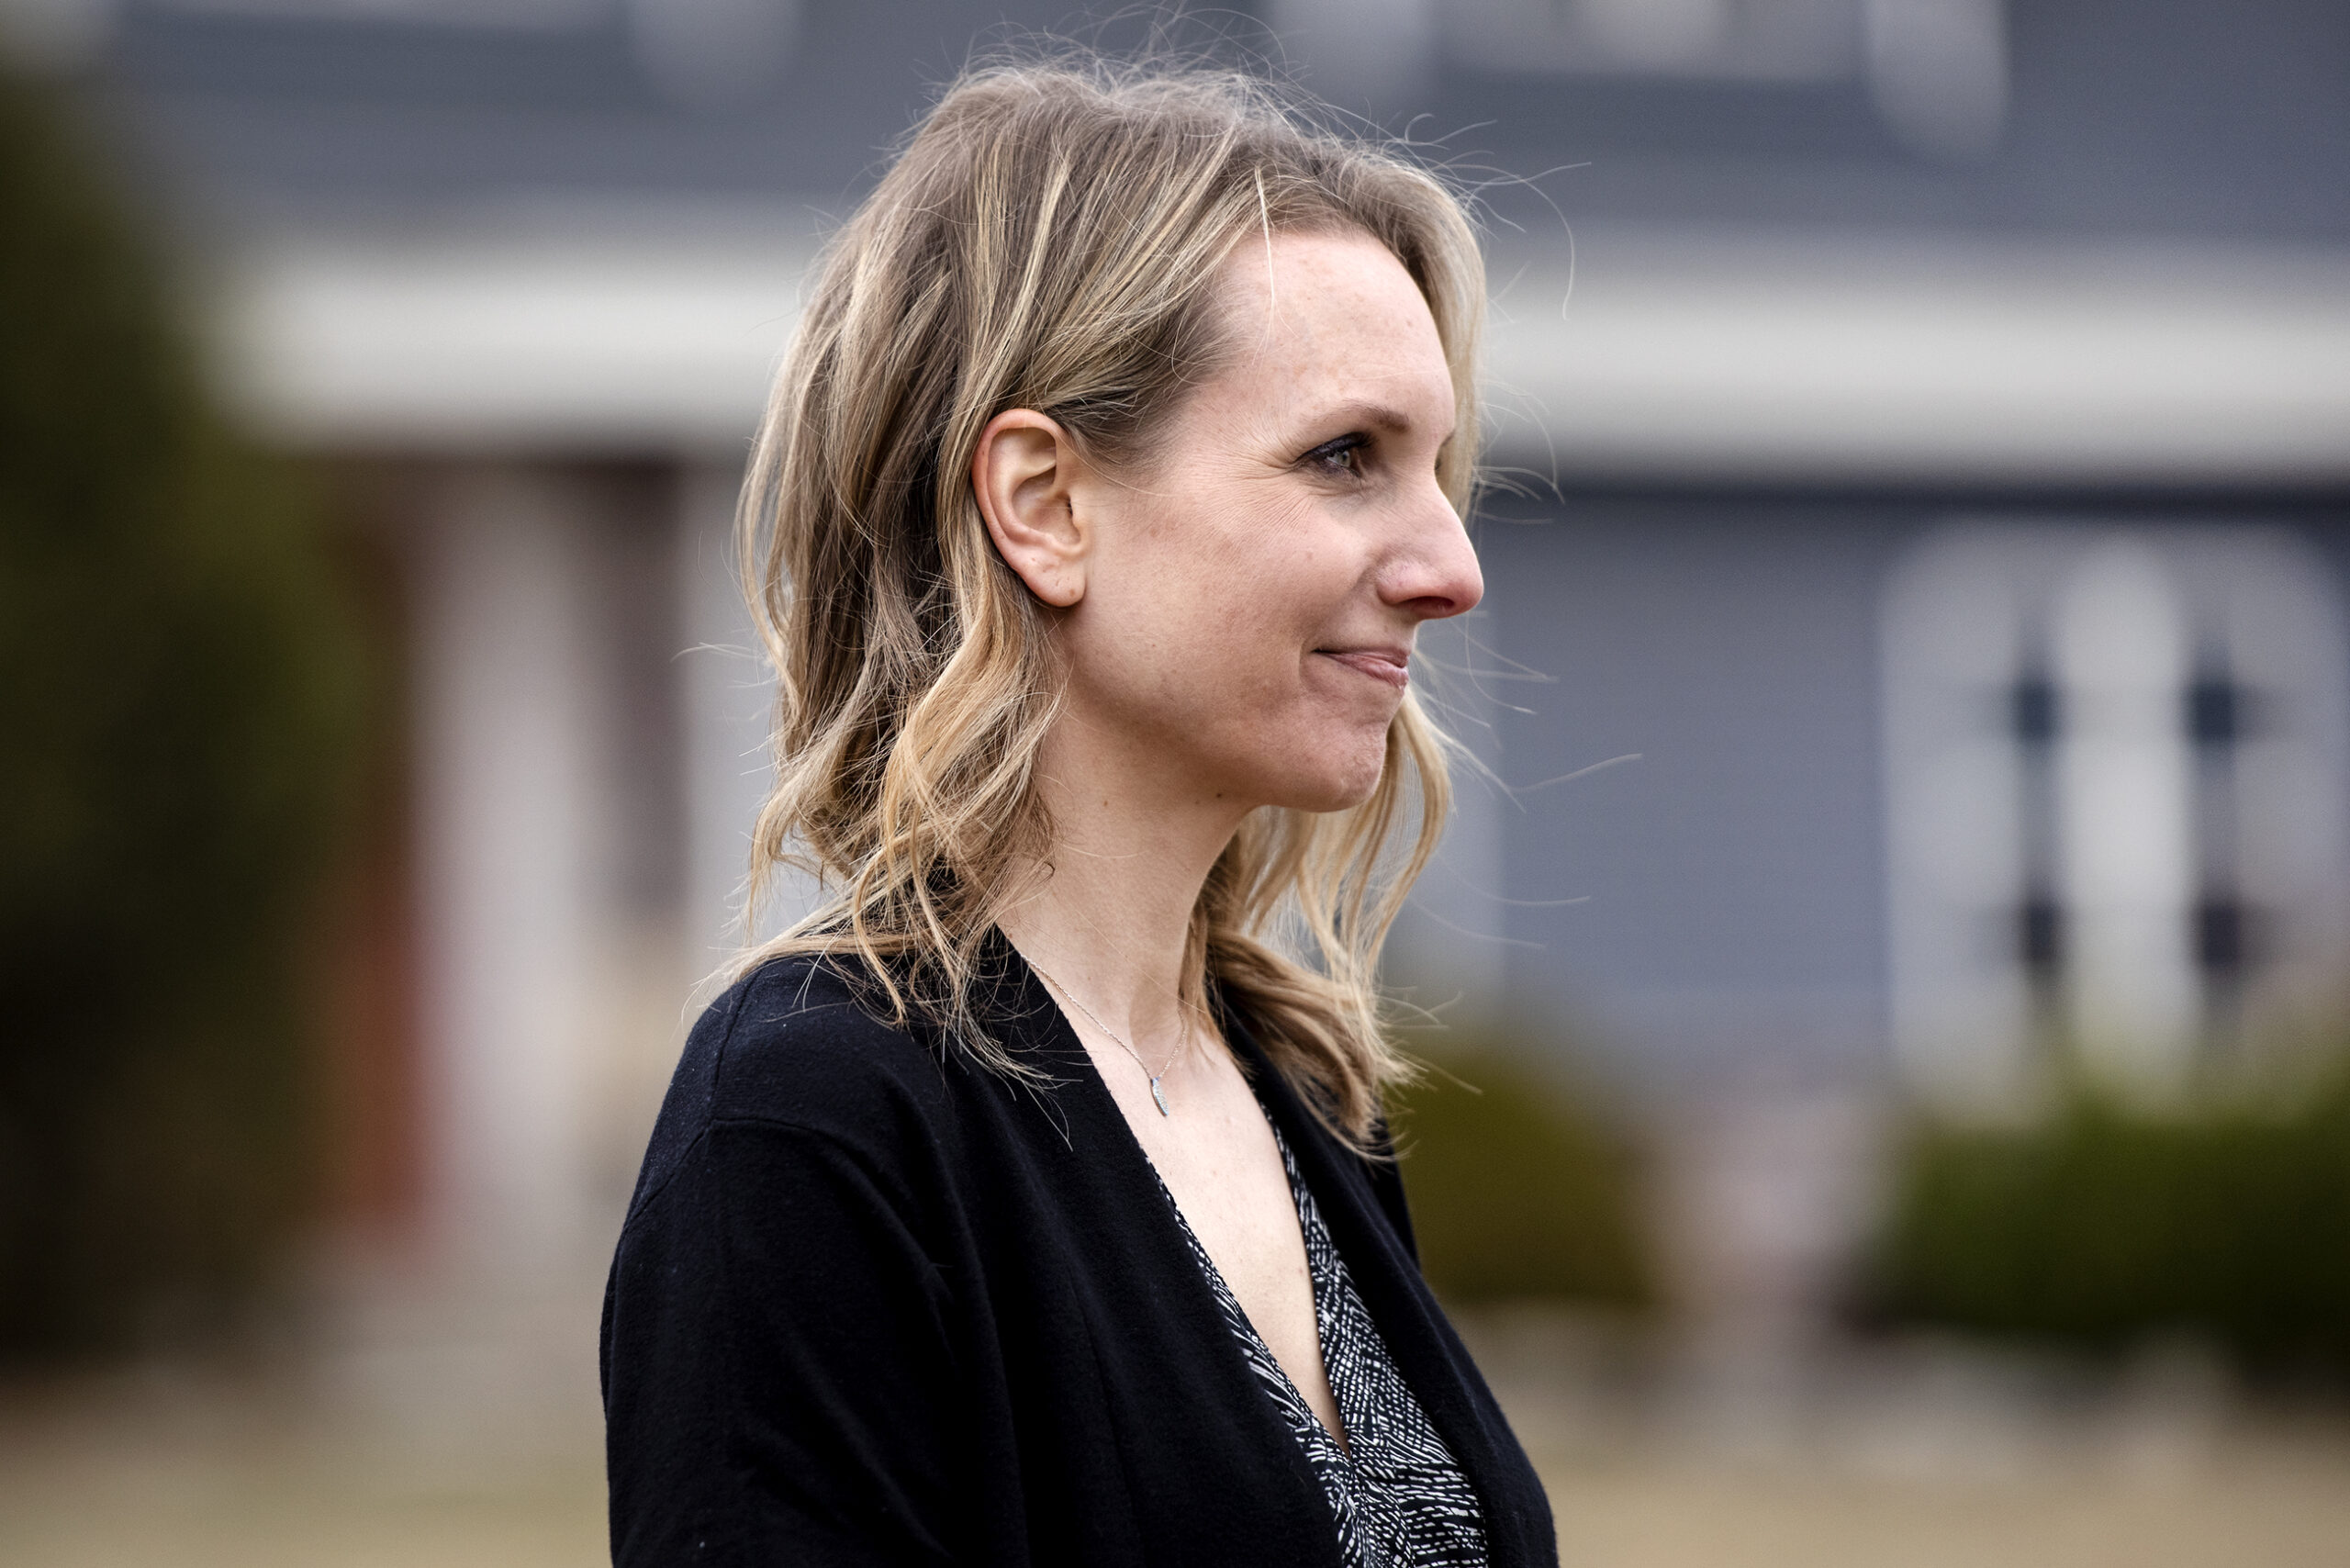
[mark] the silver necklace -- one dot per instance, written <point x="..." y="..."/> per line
<point x="1158" y="1096"/>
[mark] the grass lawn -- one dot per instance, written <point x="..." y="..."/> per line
<point x="129" y="1473"/>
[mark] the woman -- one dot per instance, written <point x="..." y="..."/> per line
<point x="1029" y="1202"/>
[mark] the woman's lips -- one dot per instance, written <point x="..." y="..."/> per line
<point x="1380" y="664"/>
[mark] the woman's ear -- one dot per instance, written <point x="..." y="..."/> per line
<point x="1024" y="473"/>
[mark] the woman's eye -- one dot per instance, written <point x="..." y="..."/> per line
<point x="1344" y="456"/>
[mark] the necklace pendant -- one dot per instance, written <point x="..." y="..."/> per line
<point x="1159" y="1096"/>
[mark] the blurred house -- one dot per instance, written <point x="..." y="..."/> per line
<point x="1915" y="629"/>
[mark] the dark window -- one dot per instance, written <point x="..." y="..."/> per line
<point x="2224" y="937"/>
<point x="2034" y="709"/>
<point x="2215" y="711"/>
<point x="2040" y="937"/>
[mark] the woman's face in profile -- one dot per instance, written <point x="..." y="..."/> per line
<point x="1251" y="598"/>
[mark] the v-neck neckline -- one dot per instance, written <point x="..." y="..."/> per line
<point x="1299" y="1196"/>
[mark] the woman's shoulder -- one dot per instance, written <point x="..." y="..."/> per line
<point x="797" y="1038"/>
<point x="792" y="1045"/>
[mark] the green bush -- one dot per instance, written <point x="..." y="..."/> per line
<point x="1517" y="1191"/>
<point x="178" y="686"/>
<point x="2104" y="1224"/>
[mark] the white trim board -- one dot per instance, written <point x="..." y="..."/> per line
<point x="496" y="343"/>
<point x="1786" y="357"/>
<point x="1816" y="357"/>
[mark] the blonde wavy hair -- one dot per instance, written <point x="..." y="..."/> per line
<point x="1048" y="238"/>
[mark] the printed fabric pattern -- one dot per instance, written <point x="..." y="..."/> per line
<point x="1399" y="1496"/>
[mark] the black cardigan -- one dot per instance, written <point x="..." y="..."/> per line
<point x="874" y="1304"/>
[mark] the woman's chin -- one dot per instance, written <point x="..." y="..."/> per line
<point x="1338" y="780"/>
<point x="1344" y="801"/>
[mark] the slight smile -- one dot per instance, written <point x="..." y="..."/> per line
<point x="1389" y="664"/>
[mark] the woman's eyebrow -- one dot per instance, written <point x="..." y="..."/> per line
<point x="1365" y="413"/>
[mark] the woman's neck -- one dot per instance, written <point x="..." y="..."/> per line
<point x="1108" y="916"/>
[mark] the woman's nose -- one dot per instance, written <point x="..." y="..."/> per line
<point x="1434" y="572"/>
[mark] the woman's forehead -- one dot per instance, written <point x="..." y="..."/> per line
<point x="1333" y="320"/>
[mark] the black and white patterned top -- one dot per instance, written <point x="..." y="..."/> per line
<point x="1399" y="1495"/>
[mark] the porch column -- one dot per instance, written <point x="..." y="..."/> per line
<point x="513" y="821"/>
